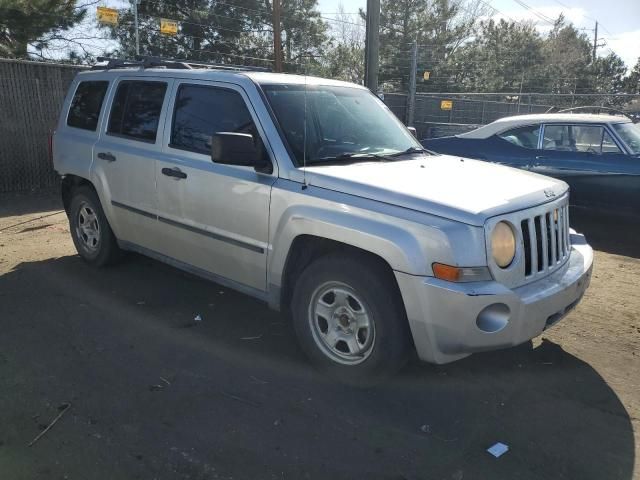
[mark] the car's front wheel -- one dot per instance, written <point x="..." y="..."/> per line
<point x="90" y="230"/>
<point x="349" y="318"/>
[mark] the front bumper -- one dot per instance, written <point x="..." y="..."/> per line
<point x="450" y="321"/>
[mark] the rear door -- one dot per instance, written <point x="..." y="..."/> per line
<point x="214" y="217"/>
<point x="124" y="162"/>
<point x="78" y="130"/>
<point x="589" y="159"/>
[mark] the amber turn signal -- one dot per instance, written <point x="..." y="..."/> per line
<point x="446" y="272"/>
<point x="460" y="274"/>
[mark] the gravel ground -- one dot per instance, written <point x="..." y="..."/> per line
<point x="147" y="393"/>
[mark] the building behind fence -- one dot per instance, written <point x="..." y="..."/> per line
<point x="31" y="95"/>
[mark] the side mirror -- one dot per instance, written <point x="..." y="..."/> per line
<point x="230" y="148"/>
<point x="413" y="131"/>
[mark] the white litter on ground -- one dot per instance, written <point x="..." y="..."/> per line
<point x="498" y="449"/>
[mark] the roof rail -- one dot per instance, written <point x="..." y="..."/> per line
<point x="213" y="66"/>
<point x="143" y="61"/>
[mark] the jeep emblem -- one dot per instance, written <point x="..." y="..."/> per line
<point x="549" y="193"/>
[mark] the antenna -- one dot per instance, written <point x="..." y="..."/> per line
<point x="304" y="134"/>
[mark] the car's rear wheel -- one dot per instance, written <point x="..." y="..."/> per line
<point x="90" y="230"/>
<point x="349" y="318"/>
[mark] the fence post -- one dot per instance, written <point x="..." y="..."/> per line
<point x="411" y="105"/>
<point x="372" y="46"/>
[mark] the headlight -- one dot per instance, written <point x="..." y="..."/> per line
<point x="503" y="244"/>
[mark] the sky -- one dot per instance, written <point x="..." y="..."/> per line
<point x="619" y="19"/>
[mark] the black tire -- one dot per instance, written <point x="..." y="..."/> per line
<point x="105" y="250"/>
<point x="374" y="286"/>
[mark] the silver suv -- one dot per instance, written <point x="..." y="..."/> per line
<point x="309" y="194"/>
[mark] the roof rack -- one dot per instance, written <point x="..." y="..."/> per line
<point x="143" y="61"/>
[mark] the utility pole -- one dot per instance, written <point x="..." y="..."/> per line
<point x="411" y="99"/>
<point x="277" y="40"/>
<point x="595" y="41"/>
<point x="135" y="21"/>
<point x="372" y="46"/>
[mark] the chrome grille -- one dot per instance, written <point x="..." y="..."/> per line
<point x="543" y="242"/>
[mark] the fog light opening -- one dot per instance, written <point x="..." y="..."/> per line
<point x="493" y="318"/>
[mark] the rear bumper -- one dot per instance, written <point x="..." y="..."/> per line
<point x="452" y="320"/>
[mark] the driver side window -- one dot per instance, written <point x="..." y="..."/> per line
<point x="200" y="111"/>
<point x="579" y="138"/>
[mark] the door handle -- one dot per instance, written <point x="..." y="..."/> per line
<point x="541" y="157"/>
<point x="108" y="156"/>
<point x="174" y="172"/>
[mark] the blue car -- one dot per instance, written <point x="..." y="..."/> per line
<point x="597" y="155"/>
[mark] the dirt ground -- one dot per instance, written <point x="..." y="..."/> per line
<point x="151" y="394"/>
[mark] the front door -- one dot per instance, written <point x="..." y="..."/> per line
<point x="598" y="172"/>
<point x="213" y="217"/>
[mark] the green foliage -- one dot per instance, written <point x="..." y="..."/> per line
<point x="233" y="32"/>
<point x="209" y="31"/>
<point x="344" y="57"/>
<point x="499" y="59"/>
<point x="35" y="23"/>
<point x="632" y="82"/>
<point x="509" y="57"/>
<point x="304" y="32"/>
<point x="439" y="27"/>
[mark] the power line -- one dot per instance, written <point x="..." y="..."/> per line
<point x="541" y="16"/>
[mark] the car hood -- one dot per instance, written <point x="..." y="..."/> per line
<point x="465" y="190"/>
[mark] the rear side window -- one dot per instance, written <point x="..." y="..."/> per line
<point x="136" y="108"/>
<point x="525" y="137"/>
<point x="201" y="111"/>
<point x="86" y="105"/>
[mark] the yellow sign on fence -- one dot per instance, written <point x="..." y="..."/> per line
<point x="168" y="27"/>
<point x="446" y="105"/>
<point x="426" y="75"/>
<point x="107" y="16"/>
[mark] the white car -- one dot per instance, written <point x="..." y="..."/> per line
<point x="309" y="194"/>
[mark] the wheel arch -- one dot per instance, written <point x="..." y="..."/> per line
<point x="69" y="184"/>
<point x="306" y="248"/>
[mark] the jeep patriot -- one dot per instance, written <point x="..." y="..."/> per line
<point x="310" y="195"/>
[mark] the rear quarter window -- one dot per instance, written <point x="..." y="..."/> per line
<point x="525" y="137"/>
<point x="86" y="105"/>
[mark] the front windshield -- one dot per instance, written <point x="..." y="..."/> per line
<point x="630" y="135"/>
<point x="343" y="124"/>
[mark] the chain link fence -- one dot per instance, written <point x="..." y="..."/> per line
<point x="31" y="94"/>
<point x="438" y="115"/>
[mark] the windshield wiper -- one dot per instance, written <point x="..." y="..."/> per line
<point x="349" y="157"/>
<point x="409" y="151"/>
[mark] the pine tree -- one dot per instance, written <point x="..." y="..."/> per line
<point x="632" y="82"/>
<point x="35" y="24"/>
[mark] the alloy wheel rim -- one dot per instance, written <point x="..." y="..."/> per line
<point x="88" y="228"/>
<point x="341" y="323"/>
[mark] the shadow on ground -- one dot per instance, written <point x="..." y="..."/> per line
<point x="14" y="204"/>
<point x="608" y="232"/>
<point x="155" y="394"/>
